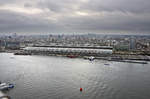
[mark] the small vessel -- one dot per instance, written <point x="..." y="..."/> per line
<point x="91" y="58"/>
<point x="107" y="64"/>
<point x="71" y="56"/>
<point x="22" y="53"/>
<point x="5" y="86"/>
<point x="11" y="57"/>
<point x="4" y="96"/>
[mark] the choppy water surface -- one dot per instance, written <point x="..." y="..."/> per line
<point x="48" y="77"/>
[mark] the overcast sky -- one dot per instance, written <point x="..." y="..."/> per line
<point x="75" y="16"/>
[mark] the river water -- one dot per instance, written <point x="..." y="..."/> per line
<point x="50" y="77"/>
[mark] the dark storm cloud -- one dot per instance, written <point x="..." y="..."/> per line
<point x="74" y="16"/>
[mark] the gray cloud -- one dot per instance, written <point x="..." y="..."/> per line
<point x="134" y="6"/>
<point x="75" y="16"/>
<point x="14" y="22"/>
<point x="7" y="1"/>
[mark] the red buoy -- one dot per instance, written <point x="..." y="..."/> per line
<point x="80" y="89"/>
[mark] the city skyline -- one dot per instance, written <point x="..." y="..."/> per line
<point x="75" y="16"/>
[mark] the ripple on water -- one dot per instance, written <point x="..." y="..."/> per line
<point x="42" y="77"/>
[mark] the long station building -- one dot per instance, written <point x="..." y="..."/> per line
<point x="70" y="51"/>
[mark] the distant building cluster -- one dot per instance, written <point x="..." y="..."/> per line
<point x="118" y="42"/>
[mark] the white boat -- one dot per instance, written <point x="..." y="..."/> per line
<point x="91" y="58"/>
<point x="5" y="86"/>
<point x="4" y="96"/>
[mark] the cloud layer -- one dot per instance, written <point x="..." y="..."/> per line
<point x="71" y="16"/>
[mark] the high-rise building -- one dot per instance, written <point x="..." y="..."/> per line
<point x="132" y="43"/>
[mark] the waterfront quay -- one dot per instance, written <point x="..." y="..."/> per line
<point x="101" y="53"/>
